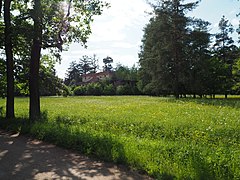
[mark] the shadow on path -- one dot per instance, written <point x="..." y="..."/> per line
<point x="25" y="158"/>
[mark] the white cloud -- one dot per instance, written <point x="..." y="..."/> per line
<point x="123" y="45"/>
<point x="235" y="22"/>
<point x="126" y="60"/>
<point x="112" y="24"/>
<point x="115" y="33"/>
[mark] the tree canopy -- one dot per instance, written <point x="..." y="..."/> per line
<point x="179" y="57"/>
<point x="33" y="25"/>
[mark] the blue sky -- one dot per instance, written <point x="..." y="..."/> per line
<point x="118" y="32"/>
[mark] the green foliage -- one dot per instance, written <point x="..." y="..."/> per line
<point x="107" y="63"/>
<point x="124" y="90"/>
<point x="164" y="60"/>
<point x="65" y="91"/>
<point x="79" y="91"/>
<point x="226" y="52"/>
<point x="21" y="89"/>
<point x="236" y="77"/>
<point x="176" y="57"/>
<point x="85" y="65"/>
<point x="167" y="138"/>
<point x="94" y="89"/>
<point x="73" y="74"/>
<point x="109" y="89"/>
<point x="125" y="73"/>
<point x="50" y="84"/>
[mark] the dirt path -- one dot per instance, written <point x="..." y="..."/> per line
<point x="25" y="158"/>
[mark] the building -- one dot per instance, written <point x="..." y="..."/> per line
<point x="96" y="77"/>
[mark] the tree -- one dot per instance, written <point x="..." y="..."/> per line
<point x="50" y="84"/>
<point x="226" y="52"/>
<point x="66" y="33"/>
<point x="73" y="75"/>
<point x="88" y="64"/>
<point x="163" y="61"/>
<point x="198" y="56"/>
<point x="0" y="8"/>
<point x="9" y="60"/>
<point x="94" y="64"/>
<point x="107" y="61"/>
<point x="125" y="79"/>
<point x="85" y="65"/>
<point x="125" y="73"/>
<point x="236" y="77"/>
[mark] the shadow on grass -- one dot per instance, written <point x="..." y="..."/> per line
<point x="25" y="158"/>
<point x="100" y="146"/>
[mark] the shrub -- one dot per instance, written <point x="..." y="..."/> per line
<point x="109" y="90"/>
<point x="124" y="90"/>
<point x="94" y="89"/>
<point x="66" y="91"/>
<point x="79" y="91"/>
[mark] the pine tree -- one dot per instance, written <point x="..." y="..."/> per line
<point x="163" y="58"/>
<point x="226" y="52"/>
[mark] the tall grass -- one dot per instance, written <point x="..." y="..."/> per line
<point x="167" y="138"/>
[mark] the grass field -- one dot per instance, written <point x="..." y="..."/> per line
<point x="167" y="138"/>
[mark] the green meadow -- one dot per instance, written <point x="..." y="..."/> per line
<point x="163" y="137"/>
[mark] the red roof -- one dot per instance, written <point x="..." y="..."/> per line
<point x="95" y="77"/>
<point x="97" y="74"/>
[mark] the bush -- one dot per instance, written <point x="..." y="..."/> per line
<point x="124" y="90"/>
<point x="109" y="90"/>
<point x="94" y="89"/>
<point x="79" y="91"/>
<point x="66" y="91"/>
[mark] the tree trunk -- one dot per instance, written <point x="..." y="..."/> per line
<point x="1" y="8"/>
<point x="34" y="110"/>
<point x="9" y="61"/>
<point x="226" y="95"/>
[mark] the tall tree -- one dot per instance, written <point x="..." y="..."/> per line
<point x="198" y="56"/>
<point x="107" y="63"/>
<point x="34" y="110"/>
<point x="162" y="57"/>
<point x="94" y="63"/>
<point x="72" y="27"/>
<point x="73" y="75"/>
<point x="1" y="8"/>
<point x="236" y="77"/>
<point x="85" y="65"/>
<point x="226" y="52"/>
<point x="9" y="60"/>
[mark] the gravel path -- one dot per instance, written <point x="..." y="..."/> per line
<point x="25" y="158"/>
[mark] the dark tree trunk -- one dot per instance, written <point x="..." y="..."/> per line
<point x="226" y="95"/>
<point x="0" y="8"/>
<point x="34" y="110"/>
<point x="9" y="61"/>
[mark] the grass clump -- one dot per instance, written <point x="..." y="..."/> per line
<point x="167" y="138"/>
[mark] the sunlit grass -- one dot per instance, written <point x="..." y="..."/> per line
<point x="168" y="138"/>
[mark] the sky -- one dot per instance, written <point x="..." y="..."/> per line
<point x="119" y="30"/>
